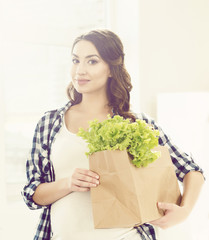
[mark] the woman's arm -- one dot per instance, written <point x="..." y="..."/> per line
<point x="49" y="192"/>
<point x="175" y="214"/>
<point x="192" y="184"/>
<point x="80" y="181"/>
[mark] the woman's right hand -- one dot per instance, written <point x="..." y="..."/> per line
<point x="82" y="180"/>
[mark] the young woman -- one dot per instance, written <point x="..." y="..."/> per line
<point x="57" y="169"/>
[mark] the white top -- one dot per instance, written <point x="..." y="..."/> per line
<point x="71" y="216"/>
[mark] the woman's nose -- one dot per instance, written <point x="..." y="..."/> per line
<point x="81" y="70"/>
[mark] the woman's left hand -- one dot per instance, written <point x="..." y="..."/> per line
<point x="174" y="214"/>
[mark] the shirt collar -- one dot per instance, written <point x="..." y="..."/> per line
<point x="64" y="109"/>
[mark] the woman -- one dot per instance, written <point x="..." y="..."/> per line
<point x="57" y="169"/>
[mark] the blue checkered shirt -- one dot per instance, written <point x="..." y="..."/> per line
<point x="39" y="168"/>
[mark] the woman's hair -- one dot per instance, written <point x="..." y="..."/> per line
<point x="110" y="48"/>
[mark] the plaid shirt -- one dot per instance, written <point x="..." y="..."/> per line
<point x="40" y="168"/>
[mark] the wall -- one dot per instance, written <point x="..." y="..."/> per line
<point x="174" y="49"/>
<point x="2" y="149"/>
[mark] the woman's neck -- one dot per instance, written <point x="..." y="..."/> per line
<point x="94" y="105"/>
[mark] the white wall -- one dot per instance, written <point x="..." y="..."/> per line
<point x="2" y="150"/>
<point x="174" y="49"/>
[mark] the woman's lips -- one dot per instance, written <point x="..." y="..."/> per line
<point x="82" y="81"/>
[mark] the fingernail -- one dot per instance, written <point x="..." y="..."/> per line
<point x="97" y="177"/>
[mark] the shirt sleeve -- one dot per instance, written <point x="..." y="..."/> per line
<point x="36" y="168"/>
<point x="183" y="163"/>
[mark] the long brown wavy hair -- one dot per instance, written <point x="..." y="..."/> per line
<point x="110" y="48"/>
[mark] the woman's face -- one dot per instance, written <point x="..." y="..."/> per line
<point x="89" y="71"/>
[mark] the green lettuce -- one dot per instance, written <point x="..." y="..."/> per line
<point x="116" y="133"/>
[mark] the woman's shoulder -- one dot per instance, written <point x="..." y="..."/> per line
<point x="50" y="116"/>
<point x="145" y="117"/>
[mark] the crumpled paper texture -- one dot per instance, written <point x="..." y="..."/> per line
<point x="128" y="196"/>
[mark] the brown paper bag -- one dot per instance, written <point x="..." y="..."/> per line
<point x="128" y="196"/>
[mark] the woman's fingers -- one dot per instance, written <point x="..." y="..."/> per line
<point x="81" y="183"/>
<point x="87" y="176"/>
<point x="83" y="180"/>
<point x="174" y="214"/>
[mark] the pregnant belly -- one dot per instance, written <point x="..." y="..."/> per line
<point x="72" y="214"/>
<point x="71" y="218"/>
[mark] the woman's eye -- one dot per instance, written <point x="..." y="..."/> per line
<point x="74" y="60"/>
<point x="92" y="61"/>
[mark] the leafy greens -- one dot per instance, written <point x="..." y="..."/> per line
<point x="116" y="133"/>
